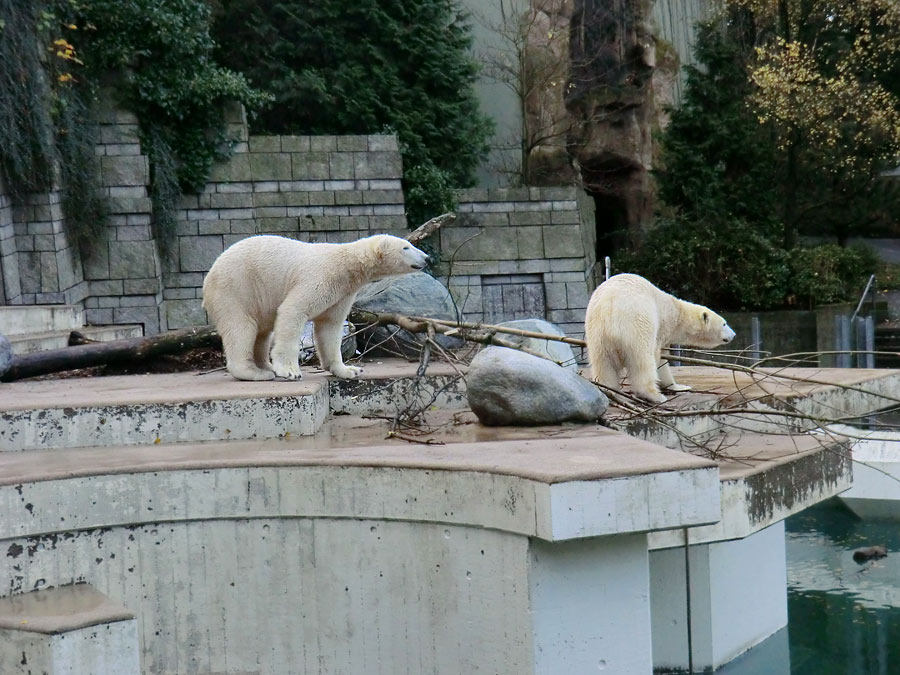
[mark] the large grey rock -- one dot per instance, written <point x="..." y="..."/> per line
<point x="307" y="345"/>
<point x="6" y="354"/>
<point x="510" y="388"/>
<point x="558" y="352"/>
<point x="416" y="294"/>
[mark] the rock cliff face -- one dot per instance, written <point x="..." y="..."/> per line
<point x="606" y="112"/>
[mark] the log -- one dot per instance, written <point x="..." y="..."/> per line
<point x="114" y="352"/>
<point x="430" y="227"/>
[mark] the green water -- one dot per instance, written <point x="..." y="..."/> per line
<point x="843" y="618"/>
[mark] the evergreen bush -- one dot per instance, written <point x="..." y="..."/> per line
<point x="719" y="239"/>
<point x="358" y="66"/>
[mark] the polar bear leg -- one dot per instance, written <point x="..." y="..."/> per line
<point x="289" y="322"/>
<point x="261" y="349"/>
<point x="642" y="374"/>
<point x="604" y="369"/>
<point x="238" y="334"/>
<point x="667" y="380"/>
<point x="327" y="329"/>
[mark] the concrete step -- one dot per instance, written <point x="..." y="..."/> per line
<point x="27" y="343"/>
<point x="64" y="630"/>
<point x="194" y="407"/>
<point x="24" y="319"/>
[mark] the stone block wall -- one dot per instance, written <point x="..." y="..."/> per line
<point x="10" y="286"/>
<point x="124" y="270"/>
<point x="40" y="266"/>
<point x="513" y="253"/>
<point x="314" y="188"/>
<point x="521" y="253"/>
<point x="321" y="188"/>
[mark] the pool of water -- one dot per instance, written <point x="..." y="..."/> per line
<point x="843" y="617"/>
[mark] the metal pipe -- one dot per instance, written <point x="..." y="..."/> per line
<point x="863" y="298"/>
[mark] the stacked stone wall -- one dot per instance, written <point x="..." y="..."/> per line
<point x="314" y="188"/>
<point x="513" y="253"/>
<point x="319" y="188"/>
<point x="521" y="253"/>
<point x="10" y="286"/>
<point x="124" y="270"/>
<point x="39" y="264"/>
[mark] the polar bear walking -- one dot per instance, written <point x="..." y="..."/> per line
<point x="261" y="291"/>
<point x="629" y="321"/>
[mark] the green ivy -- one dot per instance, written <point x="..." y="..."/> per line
<point x="163" y="50"/>
<point x="27" y="148"/>
<point x="159" y="54"/>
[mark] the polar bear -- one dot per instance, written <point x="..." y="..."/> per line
<point x="261" y="291"/>
<point x="629" y="321"/>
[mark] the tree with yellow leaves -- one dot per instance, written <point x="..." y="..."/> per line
<point x="827" y="83"/>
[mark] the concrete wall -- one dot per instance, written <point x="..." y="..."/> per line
<point x="521" y="253"/>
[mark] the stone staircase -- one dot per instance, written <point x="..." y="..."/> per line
<point x="34" y="328"/>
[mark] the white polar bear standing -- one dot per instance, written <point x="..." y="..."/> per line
<point x="629" y="321"/>
<point x="261" y="291"/>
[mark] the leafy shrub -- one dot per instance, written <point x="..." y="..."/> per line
<point x="722" y="265"/>
<point x="829" y="273"/>
<point x="163" y="51"/>
<point x="356" y="66"/>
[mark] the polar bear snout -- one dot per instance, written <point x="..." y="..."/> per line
<point x="727" y="334"/>
<point x="414" y="257"/>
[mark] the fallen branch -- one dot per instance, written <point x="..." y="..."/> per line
<point x="114" y="352"/>
<point x="428" y="228"/>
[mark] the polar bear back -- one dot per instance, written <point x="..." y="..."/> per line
<point x="258" y="273"/>
<point x="628" y="307"/>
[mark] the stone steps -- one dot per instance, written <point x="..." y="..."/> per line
<point x="25" y="319"/>
<point x="27" y="343"/>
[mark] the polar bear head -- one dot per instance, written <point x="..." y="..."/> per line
<point x="711" y="329"/>
<point x="395" y="255"/>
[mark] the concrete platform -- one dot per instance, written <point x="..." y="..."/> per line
<point x="20" y="319"/>
<point x="207" y="505"/>
<point x="194" y="407"/>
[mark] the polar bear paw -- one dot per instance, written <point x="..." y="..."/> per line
<point x="678" y="387"/>
<point x="346" y="372"/>
<point x="287" y="371"/>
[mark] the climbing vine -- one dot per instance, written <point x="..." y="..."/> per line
<point x="56" y="56"/>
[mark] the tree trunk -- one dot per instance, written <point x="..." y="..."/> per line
<point x="129" y="350"/>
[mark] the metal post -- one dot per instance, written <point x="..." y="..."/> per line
<point x="859" y="335"/>
<point x="755" y="338"/>
<point x="607" y="264"/>
<point x="870" y="341"/>
<point x="842" y="341"/>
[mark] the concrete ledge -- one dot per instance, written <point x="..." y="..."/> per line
<point x="551" y="489"/>
<point x="28" y="343"/>
<point x="65" y="631"/>
<point x="19" y="319"/>
<point x="132" y="410"/>
<point x="59" y="610"/>
<point x="765" y="479"/>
